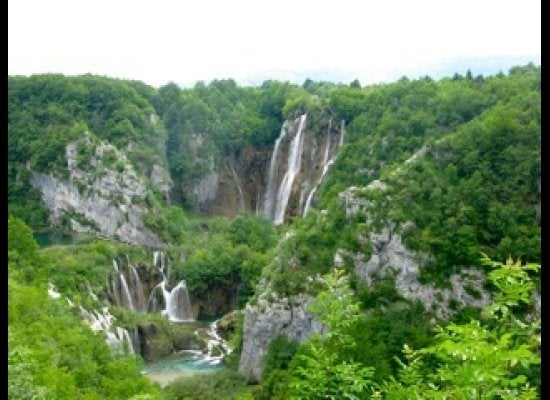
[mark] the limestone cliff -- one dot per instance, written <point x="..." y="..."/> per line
<point x="280" y="180"/>
<point x="388" y="255"/>
<point x="102" y="194"/>
<point x="264" y="321"/>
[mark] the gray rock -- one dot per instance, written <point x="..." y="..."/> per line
<point x="107" y="198"/>
<point x="207" y="188"/>
<point x="264" y="321"/>
<point x="391" y="257"/>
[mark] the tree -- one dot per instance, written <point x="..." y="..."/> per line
<point x="486" y="360"/>
<point x="323" y="374"/>
<point x="355" y="84"/>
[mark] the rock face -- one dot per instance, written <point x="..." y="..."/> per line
<point x="160" y="178"/>
<point x="240" y="182"/>
<point x="103" y="195"/>
<point x="391" y="257"/>
<point x="234" y="185"/>
<point x="267" y="319"/>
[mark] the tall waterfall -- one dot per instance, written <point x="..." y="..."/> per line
<point x="269" y="202"/>
<point x="326" y="163"/>
<point x="177" y="304"/>
<point x="276" y="205"/>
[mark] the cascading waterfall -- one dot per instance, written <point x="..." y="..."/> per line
<point x="269" y="202"/>
<point x="135" y="281"/>
<point x="177" y="304"/>
<point x="216" y="342"/>
<point x="127" y="298"/>
<point x="326" y="164"/>
<point x="310" y="196"/>
<point x="126" y="287"/>
<point x="294" y="164"/>
<point x="116" y="337"/>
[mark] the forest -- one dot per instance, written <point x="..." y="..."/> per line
<point x="436" y="177"/>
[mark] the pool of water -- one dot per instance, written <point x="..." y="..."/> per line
<point x="183" y="363"/>
<point x="54" y="238"/>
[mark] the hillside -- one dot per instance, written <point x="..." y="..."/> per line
<point x="215" y="200"/>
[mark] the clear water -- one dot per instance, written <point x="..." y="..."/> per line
<point x="52" y="238"/>
<point x="184" y="363"/>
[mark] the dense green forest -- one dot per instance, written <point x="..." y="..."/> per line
<point x="453" y="166"/>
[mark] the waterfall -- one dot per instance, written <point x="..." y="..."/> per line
<point x="216" y="341"/>
<point x="155" y="258"/>
<point x="128" y="291"/>
<point x="177" y="304"/>
<point x="137" y="289"/>
<point x="127" y="303"/>
<point x="238" y="184"/>
<point x="294" y="163"/>
<point x="128" y="340"/>
<point x="136" y="342"/>
<point x="310" y="197"/>
<point x="126" y="287"/>
<point x="269" y="203"/>
<point x="257" y="211"/>
<point x="342" y="132"/>
<point x="103" y="322"/>
<point x="326" y="163"/>
<point x="52" y="291"/>
<point x="115" y="287"/>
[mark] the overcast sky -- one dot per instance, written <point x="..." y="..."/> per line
<point x="158" y="41"/>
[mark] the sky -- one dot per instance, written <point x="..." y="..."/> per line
<point x="181" y="41"/>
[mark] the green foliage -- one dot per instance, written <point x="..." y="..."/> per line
<point x="228" y="255"/>
<point x="311" y="248"/>
<point x="275" y="368"/>
<point x="48" y="111"/>
<point x="322" y="373"/>
<point x="480" y="359"/>
<point x="226" y="384"/>
<point x="475" y="186"/>
<point x="52" y="354"/>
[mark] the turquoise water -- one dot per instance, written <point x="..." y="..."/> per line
<point x="54" y="238"/>
<point x="51" y="238"/>
<point x="184" y="363"/>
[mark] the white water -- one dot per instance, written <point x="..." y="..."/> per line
<point x="326" y="164"/>
<point x="103" y="322"/>
<point x="239" y="189"/>
<point x="155" y="258"/>
<point x="52" y="292"/>
<point x="342" y="132"/>
<point x="127" y="302"/>
<point x="216" y="341"/>
<point x="310" y="197"/>
<point x="271" y="188"/>
<point x="138" y="288"/>
<point x="176" y="301"/>
<point x="190" y="362"/>
<point x="294" y="164"/>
